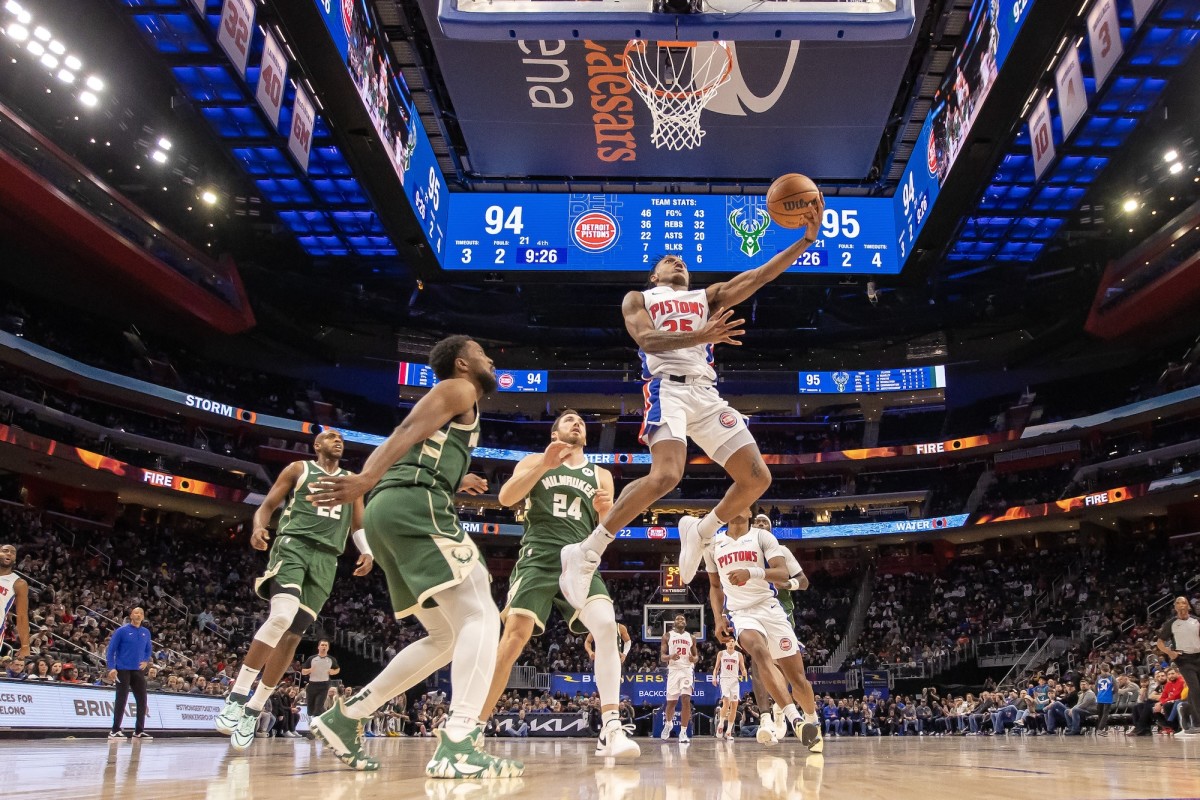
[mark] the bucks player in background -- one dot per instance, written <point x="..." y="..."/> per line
<point x="679" y="653"/>
<point x="728" y="673"/>
<point x="675" y="328"/>
<point x="564" y="495"/>
<point x="14" y="591"/>
<point x="797" y="582"/>
<point x="624" y="643"/>
<point x="298" y="579"/>
<point x="742" y="567"/>
<point x="434" y="570"/>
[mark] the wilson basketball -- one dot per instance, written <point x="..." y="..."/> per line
<point x="789" y="197"/>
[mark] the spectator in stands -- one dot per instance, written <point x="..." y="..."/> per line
<point x="1084" y="708"/>
<point x="1165" y="710"/>
<point x="1106" y="687"/>
<point x="41" y="672"/>
<point x="1055" y="712"/>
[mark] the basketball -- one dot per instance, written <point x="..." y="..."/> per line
<point x="788" y="198"/>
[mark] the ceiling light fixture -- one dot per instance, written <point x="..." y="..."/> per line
<point x="1170" y="156"/>
<point x="1176" y="168"/>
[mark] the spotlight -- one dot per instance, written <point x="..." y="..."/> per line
<point x="1170" y="156"/>
<point x="164" y="143"/>
<point x="41" y="33"/>
<point x="88" y="99"/>
<point x="35" y="47"/>
<point x="49" y="61"/>
<point x="66" y="76"/>
<point x="1176" y="168"/>
<point x="73" y="63"/>
<point x="57" y="48"/>
<point x="18" y="32"/>
<point x="95" y="84"/>
<point x="1130" y="206"/>
<point x="12" y="7"/>
<point x="209" y="196"/>
<point x="159" y="156"/>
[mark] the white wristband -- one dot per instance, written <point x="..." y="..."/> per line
<point x="757" y="572"/>
<point x="360" y="541"/>
<point x="626" y="647"/>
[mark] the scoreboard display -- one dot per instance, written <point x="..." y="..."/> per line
<point x="629" y="232"/>
<point x="507" y="380"/>
<point x="869" y="381"/>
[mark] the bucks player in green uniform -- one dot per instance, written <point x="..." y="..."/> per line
<point x="298" y="579"/>
<point x="564" y="495"/>
<point x="434" y="570"/>
<point x="797" y="581"/>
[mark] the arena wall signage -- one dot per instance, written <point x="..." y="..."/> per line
<point x="77" y="455"/>
<point x="546" y="725"/>
<point x="1119" y="494"/>
<point x="659" y="532"/>
<point x="62" y="707"/>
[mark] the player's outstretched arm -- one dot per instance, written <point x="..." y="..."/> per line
<point x="449" y="399"/>
<point x="530" y="470"/>
<point x="729" y="293"/>
<point x="279" y="492"/>
<point x="720" y="328"/>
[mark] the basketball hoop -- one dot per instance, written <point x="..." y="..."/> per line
<point x="676" y="82"/>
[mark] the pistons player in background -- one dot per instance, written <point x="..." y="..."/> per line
<point x="14" y="591"/>
<point x="743" y="565"/>
<point x="675" y="327"/>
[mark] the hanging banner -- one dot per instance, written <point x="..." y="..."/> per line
<point x="1141" y="10"/>
<point x="1071" y="94"/>
<point x="1104" y="39"/>
<point x="272" y="74"/>
<point x="1041" y="137"/>
<point x="236" y="31"/>
<point x="304" y="118"/>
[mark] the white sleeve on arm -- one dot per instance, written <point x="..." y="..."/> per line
<point x="360" y="541"/>
<point x="771" y="547"/>
<point x="710" y="565"/>
<point x="793" y="565"/>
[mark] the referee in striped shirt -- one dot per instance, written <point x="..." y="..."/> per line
<point x="1179" y="639"/>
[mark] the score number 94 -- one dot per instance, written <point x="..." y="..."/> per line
<point x="495" y="221"/>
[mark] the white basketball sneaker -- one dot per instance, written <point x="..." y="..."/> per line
<point x="578" y="566"/>
<point x="766" y="730"/>
<point x="614" y="742"/>
<point x="231" y="714"/>
<point x="666" y="731"/>
<point x="691" y="548"/>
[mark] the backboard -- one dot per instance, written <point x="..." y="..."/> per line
<point x="690" y="20"/>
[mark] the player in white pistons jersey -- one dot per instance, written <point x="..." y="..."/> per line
<point x="729" y="672"/>
<point x="743" y="565"/>
<point x="679" y="652"/>
<point x="676" y="327"/>
<point x="14" y="592"/>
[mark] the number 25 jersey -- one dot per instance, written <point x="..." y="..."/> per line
<point x="678" y="312"/>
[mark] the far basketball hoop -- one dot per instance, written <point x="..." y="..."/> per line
<point x="676" y="80"/>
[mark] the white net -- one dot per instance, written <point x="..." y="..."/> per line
<point x="676" y="80"/>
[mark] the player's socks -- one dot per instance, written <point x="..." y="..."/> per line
<point x="610" y="715"/>
<point x="598" y="540"/>
<point x="246" y="677"/>
<point x="243" y="684"/>
<point x="459" y="727"/>
<point x="709" y="526"/>
<point x="792" y="714"/>
<point x="258" y="700"/>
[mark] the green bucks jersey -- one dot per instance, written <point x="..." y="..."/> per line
<point x="439" y="463"/>
<point x="559" y="509"/>
<point x="324" y="526"/>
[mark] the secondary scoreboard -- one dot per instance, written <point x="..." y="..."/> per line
<point x="608" y="232"/>
<point x="869" y="381"/>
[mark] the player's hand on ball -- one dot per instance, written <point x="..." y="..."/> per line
<point x="473" y="484"/>
<point x="720" y="329"/>
<point x="602" y="502"/>
<point x="339" y="490"/>
<point x="365" y="562"/>
<point x="738" y="577"/>
<point x="556" y="454"/>
<point x="260" y="539"/>
<point x="816" y="214"/>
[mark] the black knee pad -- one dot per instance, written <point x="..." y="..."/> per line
<point x="301" y="622"/>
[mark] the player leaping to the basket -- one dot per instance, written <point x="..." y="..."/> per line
<point x="675" y="333"/>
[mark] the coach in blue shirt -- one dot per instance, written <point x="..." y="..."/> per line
<point x="127" y="655"/>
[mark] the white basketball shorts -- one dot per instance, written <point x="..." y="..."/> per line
<point x="695" y="410"/>
<point x="769" y="619"/>
<point x="679" y="682"/>
<point x="731" y="689"/>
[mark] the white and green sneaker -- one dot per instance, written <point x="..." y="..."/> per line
<point x="243" y="735"/>
<point x="227" y="721"/>
<point x="344" y="735"/>
<point x="459" y="760"/>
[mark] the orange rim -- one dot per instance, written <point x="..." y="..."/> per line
<point x="640" y="45"/>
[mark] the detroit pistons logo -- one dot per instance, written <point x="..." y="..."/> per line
<point x="656" y="533"/>
<point x="785" y="644"/>
<point x="727" y="419"/>
<point x="596" y="231"/>
<point x="348" y="16"/>
<point x="505" y="380"/>
<point x="931" y="156"/>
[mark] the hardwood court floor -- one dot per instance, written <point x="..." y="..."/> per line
<point x="977" y="768"/>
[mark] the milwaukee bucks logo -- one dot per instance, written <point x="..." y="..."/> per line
<point x="750" y="234"/>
